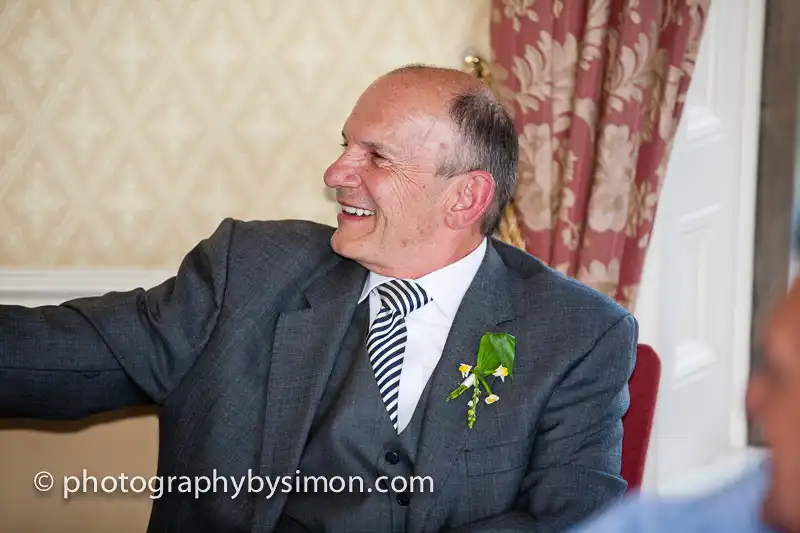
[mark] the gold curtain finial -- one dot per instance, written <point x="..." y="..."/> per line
<point x="478" y="67"/>
<point x="509" y="231"/>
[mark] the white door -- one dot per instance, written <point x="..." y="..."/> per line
<point x="694" y="307"/>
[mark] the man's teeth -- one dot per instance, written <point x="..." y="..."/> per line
<point x="356" y="211"/>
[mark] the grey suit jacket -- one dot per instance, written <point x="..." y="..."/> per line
<point x="236" y="349"/>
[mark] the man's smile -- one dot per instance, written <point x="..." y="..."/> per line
<point x="356" y="211"/>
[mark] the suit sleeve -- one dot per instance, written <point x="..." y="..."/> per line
<point x="576" y="463"/>
<point x="120" y="349"/>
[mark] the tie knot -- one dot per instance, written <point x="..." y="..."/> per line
<point x="402" y="296"/>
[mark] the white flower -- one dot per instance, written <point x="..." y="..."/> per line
<point x="464" y="368"/>
<point x="469" y="382"/>
<point x="492" y="398"/>
<point x="501" y="373"/>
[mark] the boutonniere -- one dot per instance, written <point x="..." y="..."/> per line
<point x="496" y="359"/>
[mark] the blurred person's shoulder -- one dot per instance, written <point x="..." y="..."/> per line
<point x="733" y="508"/>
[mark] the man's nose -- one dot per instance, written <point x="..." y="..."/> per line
<point x="342" y="174"/>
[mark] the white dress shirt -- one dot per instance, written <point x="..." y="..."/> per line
<point x="428" y="327"/>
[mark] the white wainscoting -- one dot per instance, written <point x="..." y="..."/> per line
<point x="695" y="300"/>
<point x="33" y="287"/>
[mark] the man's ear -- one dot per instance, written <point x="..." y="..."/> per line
<point x="472" y="196"/>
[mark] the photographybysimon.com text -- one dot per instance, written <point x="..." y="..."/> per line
<point x="197" y="486"/>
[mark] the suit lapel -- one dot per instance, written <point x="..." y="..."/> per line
<point x="305" y="348"/>
<point x="486" y="304"/>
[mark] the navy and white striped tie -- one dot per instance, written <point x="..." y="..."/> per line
<point x="386" y="342"/>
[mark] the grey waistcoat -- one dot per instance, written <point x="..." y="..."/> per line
<point x="352" y="435"/>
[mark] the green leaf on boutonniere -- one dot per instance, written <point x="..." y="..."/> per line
<point x="496" y="349"/>
<point x="495" y="358"/>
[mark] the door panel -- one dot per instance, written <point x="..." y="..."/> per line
<point x="694" y="297"/>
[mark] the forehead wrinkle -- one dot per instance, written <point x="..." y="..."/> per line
<point x="432" y="126"/>
<point x="432" y="122"/>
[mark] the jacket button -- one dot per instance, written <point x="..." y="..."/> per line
<point x="403" y="499"/>
<point x="392" y="458"/>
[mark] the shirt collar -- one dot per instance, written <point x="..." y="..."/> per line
<point x="445" y="286"/>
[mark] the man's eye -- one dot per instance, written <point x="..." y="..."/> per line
<point x="343" y="144"/>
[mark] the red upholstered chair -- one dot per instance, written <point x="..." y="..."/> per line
<point x="638" y="421"/>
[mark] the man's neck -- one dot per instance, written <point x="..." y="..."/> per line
<point x="423" y="262"/>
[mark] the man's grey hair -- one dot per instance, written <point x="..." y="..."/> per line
<point x="487" y="141"/>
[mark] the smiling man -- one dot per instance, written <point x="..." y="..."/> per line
<point x="290" y="347"/>
<point x="409" y="127"/>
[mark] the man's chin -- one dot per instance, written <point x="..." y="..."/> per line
<point x="345" y="244"/>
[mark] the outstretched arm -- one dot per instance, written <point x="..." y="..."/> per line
<point x="576" y="463"/>
<point x="104" y="353"/>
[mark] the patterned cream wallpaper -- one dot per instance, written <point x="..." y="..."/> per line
<point x="130" y="128"/>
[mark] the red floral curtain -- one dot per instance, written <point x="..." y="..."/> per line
<point x="596" y="88"/>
